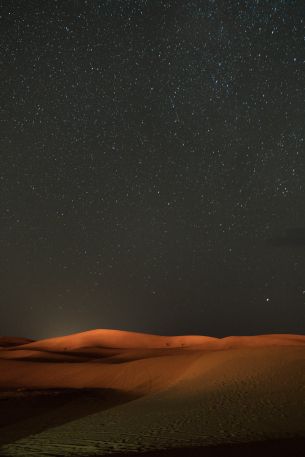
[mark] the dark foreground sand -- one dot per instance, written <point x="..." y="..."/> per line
<point x="106" y="392"/>
<point x="280" y="448"/>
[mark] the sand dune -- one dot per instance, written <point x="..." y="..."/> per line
<point x="103" y="338"/>
<point x="11" y="341"/>
<point x="121" y="360"/>
<point x="162" y="392"/>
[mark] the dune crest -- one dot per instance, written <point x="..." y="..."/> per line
<point x="119" y="339"/>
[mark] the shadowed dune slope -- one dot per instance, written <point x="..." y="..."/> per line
<point x="12" y="341"/>
<point x="142" y="375"/>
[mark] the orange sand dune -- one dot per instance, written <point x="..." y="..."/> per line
<point x="117" y="339"/>
<point x="140" y="376"/>
<point x="10" y="341"/>
<point x="186" y="391"/>
<point x="130" y="340"/>
<point x="124" y="360"/>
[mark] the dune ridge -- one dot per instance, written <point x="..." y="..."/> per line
<point x="119" y="339"/>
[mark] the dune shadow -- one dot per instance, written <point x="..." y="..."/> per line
<point x="97" y="355"/>
<point x="65" y="356"/>
<point x="28" y="412"/>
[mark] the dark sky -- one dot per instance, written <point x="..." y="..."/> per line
<point x="152" y="166"/>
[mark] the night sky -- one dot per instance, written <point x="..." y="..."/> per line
<point x="152" y="166"/>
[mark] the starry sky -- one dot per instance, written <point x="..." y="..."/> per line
<point x="152" y="166"/>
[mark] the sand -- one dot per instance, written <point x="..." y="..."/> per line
<point x="107" y="391"/>
<point x="11" y="341"/>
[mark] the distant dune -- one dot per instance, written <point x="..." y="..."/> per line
<point x="108" y="390"/>
<point x="10" y="341"/>
<point x="119" y="339"/>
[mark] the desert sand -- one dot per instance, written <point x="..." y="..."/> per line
<point x="106" y="391"/>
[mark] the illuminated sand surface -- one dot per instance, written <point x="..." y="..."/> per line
<point x="107" y="391"/>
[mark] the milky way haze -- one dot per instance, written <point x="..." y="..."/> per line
<point x="152" y="166"/>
